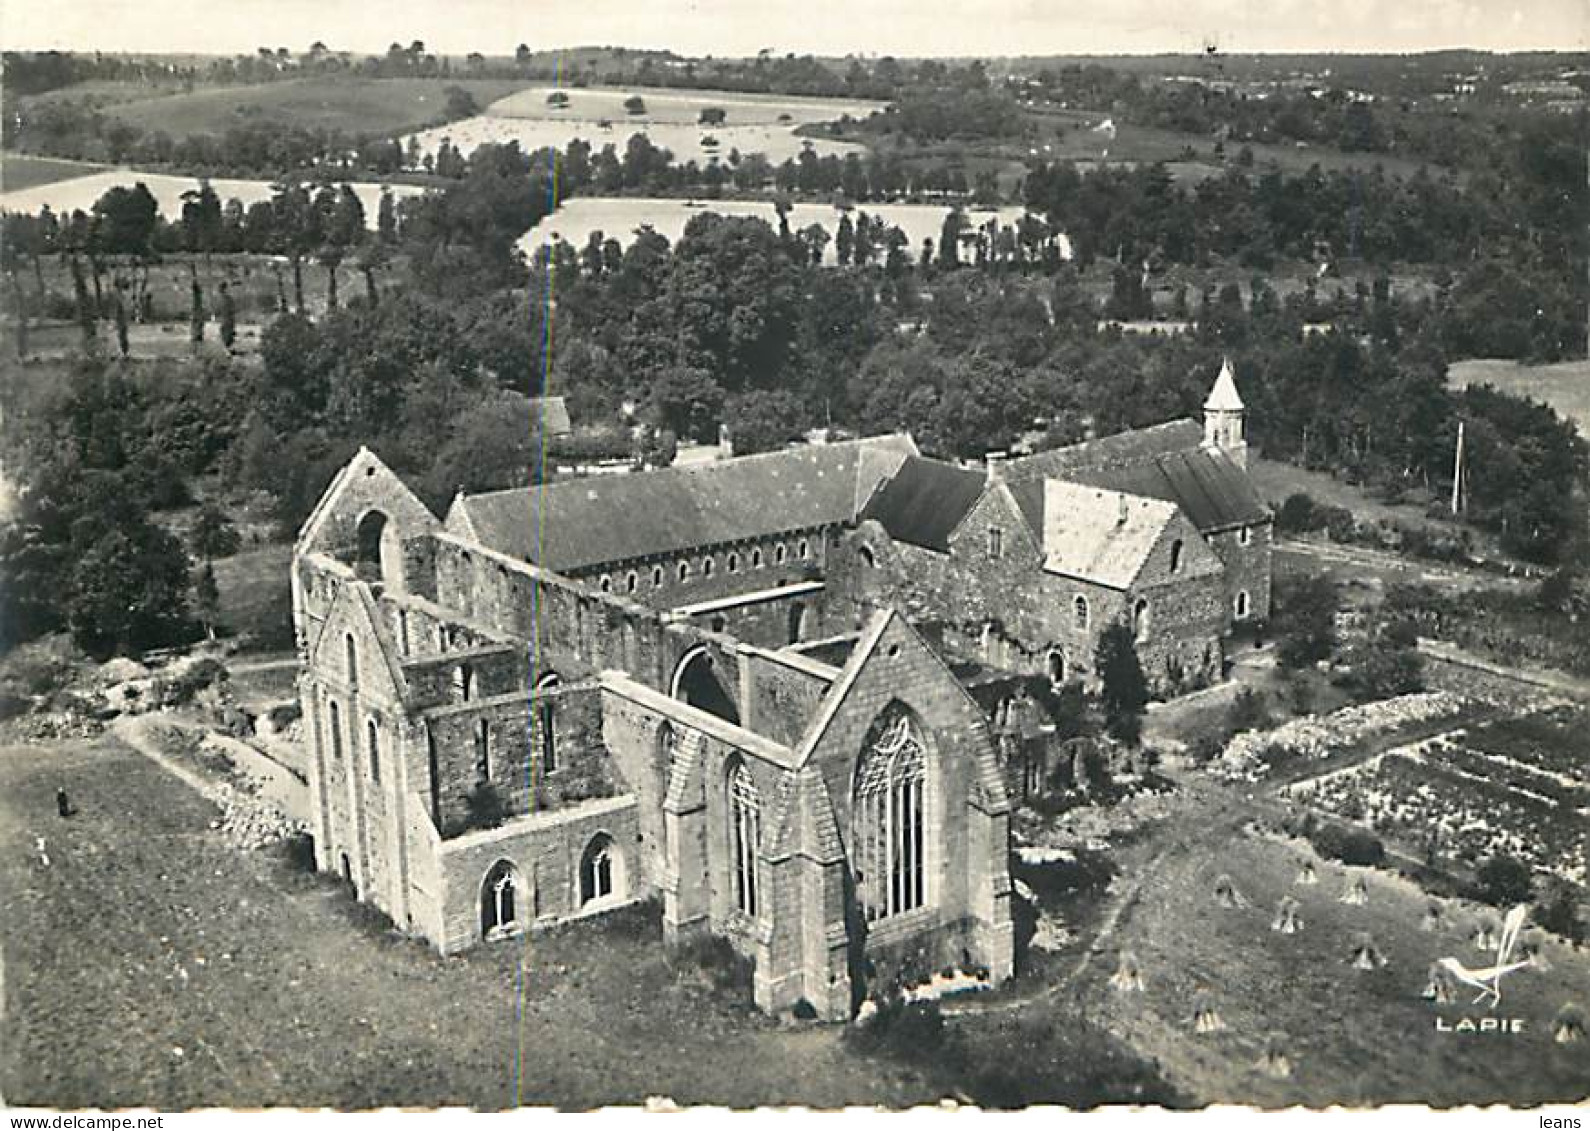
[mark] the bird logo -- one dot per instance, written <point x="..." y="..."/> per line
<point x="1488" y="979"/>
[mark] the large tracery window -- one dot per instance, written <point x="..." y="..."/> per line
<point x="887" y="819"/>
<point x="745" y="836"/>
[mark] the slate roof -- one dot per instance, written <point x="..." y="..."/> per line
<point x="1168" y="462"/>
<point x="1100" y="535"/>
<point x="580" y="523"/>
<point x="924" y="501"/>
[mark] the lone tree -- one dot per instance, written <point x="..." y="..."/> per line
<point x="712" y="116"/>
<point x="1306" y="622"/>
<point x="1125" y="690"/>
<point x="1505" y="881"/>
<point x="635" y="104"/>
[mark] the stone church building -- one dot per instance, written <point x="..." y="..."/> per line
<point x="773" y="693"/>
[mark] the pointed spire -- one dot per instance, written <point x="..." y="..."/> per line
<point x="1223" y="397"/>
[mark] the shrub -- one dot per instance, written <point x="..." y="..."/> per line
<point x="901" y="1030"/>
<point x="1249" y="711"/>
<point x="1558" y="912"/>
<point x="486" y="807"/>
<point x="715" y="960"/>
<point x="1297" y="515"/>
<point x="1349" y="845"/>
<point x="1504" y="881"/>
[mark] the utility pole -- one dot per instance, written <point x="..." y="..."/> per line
<point x="1457" y="473"/>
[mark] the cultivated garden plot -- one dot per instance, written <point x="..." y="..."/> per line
<point x="1516" y="787"/>
<point x="1254" y="972"/>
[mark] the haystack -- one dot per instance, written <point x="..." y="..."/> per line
<point x="1206" y="1018"/>
<point x="1306" y="875"/>
<point x="1275" y="1062"/>
<point x="1226" y="893"/>
<point x="1366" y="955"/>
<point x="1440" y="989"/>
<point x="1288" y="919"/>
<point x="1568" y="1028"/>
<point x="1434" y="918"/>
<point x="1357" y="892"/>
<point x="1532" y="949"/>
<point x="1128" y="976"/>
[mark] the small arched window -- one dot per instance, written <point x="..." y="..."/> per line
<point x="868" y="556"/>
<point x="1241" y="608"/>
<point x="1079" y="611"/>
<point x="500" y="902"/>
<point x="684" y="571"/>
<point x="734" y="562"/>
<point x="607" y="583"/>
<point x="707" y="566"/>
<point x="631" y="582"/>
<point x="656" y="577"/>
<point x="1175" y="556"/>
<point x="1140" y="619"/>
<point x="1057" y="667"/>
<point x="372" y="742"/>
<point x="804" y="550"/>
<point x="1244" y="535"/>
<point x="780" y="552"/>
<point x="598" y="868"/>
<point x="351" y="658"/>
<point x="756" y="558"/>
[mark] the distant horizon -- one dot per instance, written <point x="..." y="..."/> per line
<point x="1329" y="53"/>
<point x="826" y="28"/>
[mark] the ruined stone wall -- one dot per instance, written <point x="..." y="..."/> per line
<point x="545" y="851"/>
<point x="508" y="736"/>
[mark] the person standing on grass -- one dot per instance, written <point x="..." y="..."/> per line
<point x="62" y="804"/>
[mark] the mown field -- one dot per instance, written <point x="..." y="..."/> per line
<point x="231" y="979"/>
<point x="1565" y="386"/>
<point x="21" y="171"/>
<point x="1352" y="1036"/>
<point x="356" y="105"/>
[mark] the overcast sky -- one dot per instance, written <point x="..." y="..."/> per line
<point x="830" y="27"/>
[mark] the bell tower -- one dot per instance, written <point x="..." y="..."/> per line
<point x="1225" y="415"/>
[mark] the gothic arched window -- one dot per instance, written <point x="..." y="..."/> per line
<point x="745" y="836"/>
<point x="887" y="826"/>
<point x="1079" y="611"/>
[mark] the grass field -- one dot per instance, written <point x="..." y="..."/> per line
<point x="22" y="171"/>
<point x="619" y="217"/>
<point x="81" y="192"/>
<point x="148" y="964"/>
<point x="356" y="105"/>
<point x="1565" y="386"/>
<point x="676" y="107"/>
<point x="1354" y="1037"/>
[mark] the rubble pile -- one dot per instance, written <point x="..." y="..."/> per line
<point x="248" y="823"/>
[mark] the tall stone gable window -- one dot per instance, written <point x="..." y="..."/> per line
<point x="334" y="725"/>
<point x="745" y="836"/>
<point x="546" y="716"/>
<point x="887" y="828"/>
<point x="996" y="542"/>
<point x="1079" y="611"/>
<point x="1140" y="619"/>
<point x="1175" y="556"/>
<point x="351" y="656"/>
<point x="372" y="741"/>
<point x="483" y="750"/>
